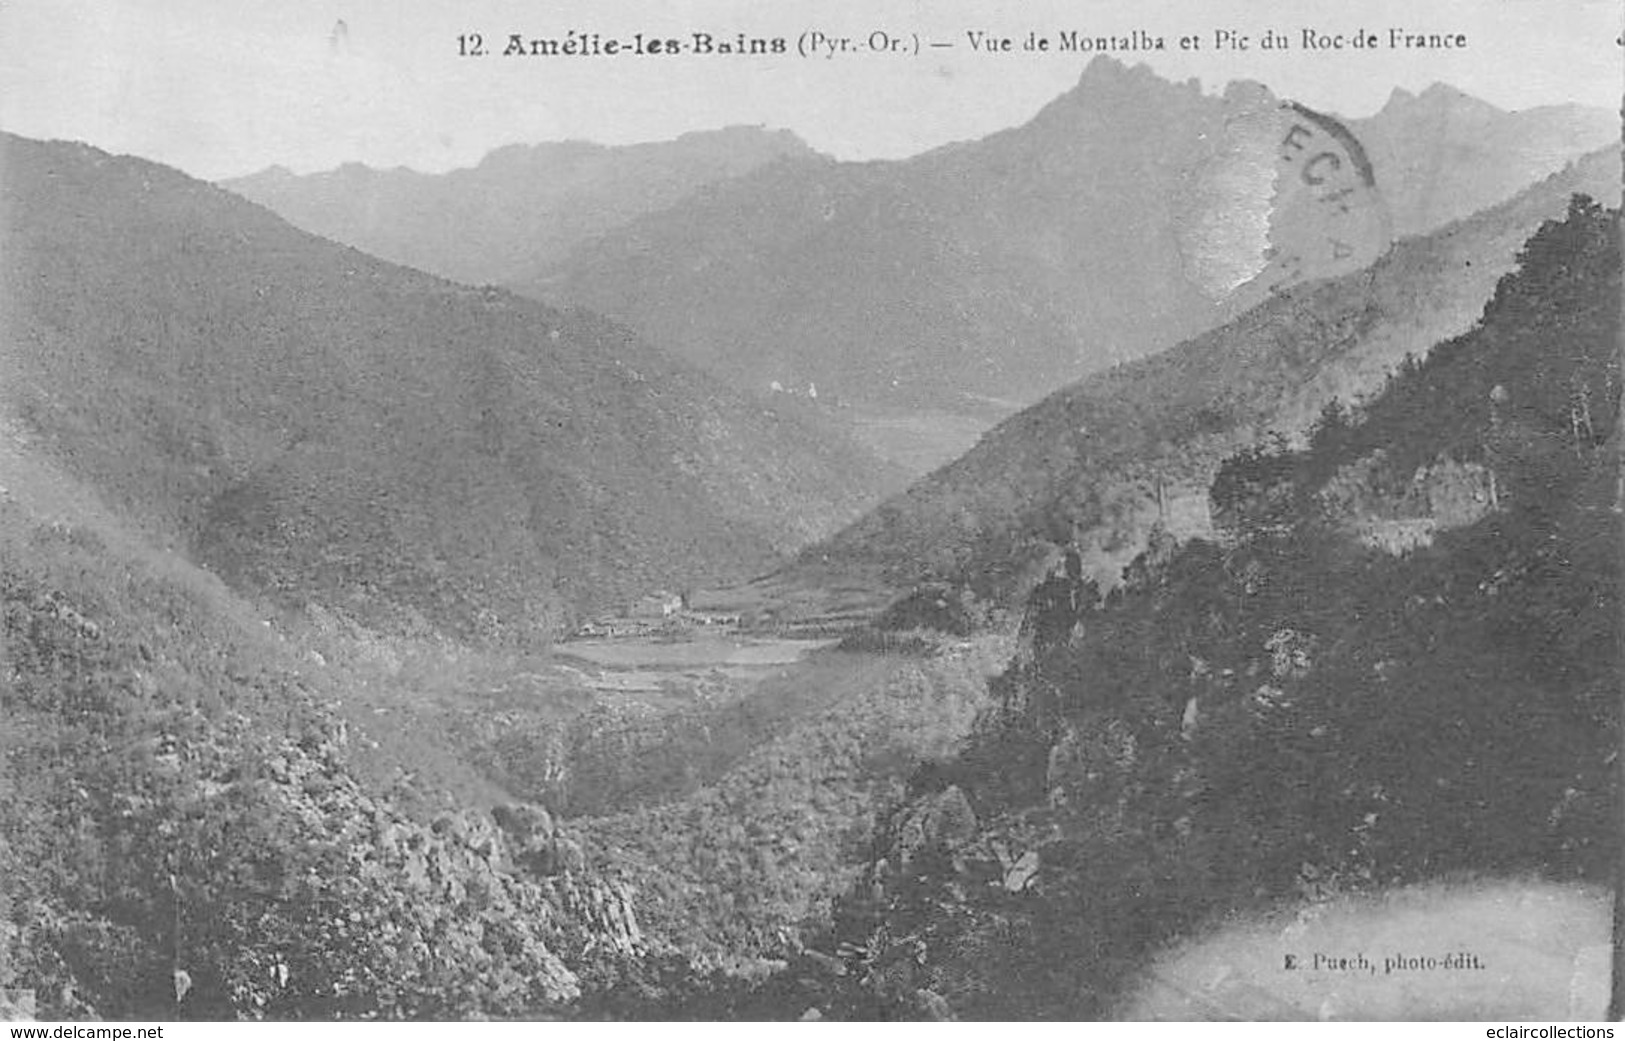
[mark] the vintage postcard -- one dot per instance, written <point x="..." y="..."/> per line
<point x="842" y="511"/>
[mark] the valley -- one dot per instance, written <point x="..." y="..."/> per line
<point x="682" y="666"/>
<point x="741" y="584"/>
<point x="653" y="653"/>
<point x="924" y="299"/>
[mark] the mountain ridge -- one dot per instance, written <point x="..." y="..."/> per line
<point x="313" y="422"/>
<point x="1092" y="460"/>
<point x="1007" y="265"/>
<point x="518" y="206"/>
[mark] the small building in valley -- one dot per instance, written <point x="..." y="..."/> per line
<point x="659" y="604"/>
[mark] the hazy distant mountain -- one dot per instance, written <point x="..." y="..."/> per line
<point x="1005" y="267"/>
<point x="320" y="425"/>
<point x="522" y="207"/>
<point x="999" y="268"/>
<point x="1443" y="155"/>
<point x="1089" y="461"/>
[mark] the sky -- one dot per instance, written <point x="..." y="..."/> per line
<point x="221" y="88"/>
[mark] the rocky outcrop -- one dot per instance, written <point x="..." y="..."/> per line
<point x="942" y="823"/>
<point x="1395" y="514"/>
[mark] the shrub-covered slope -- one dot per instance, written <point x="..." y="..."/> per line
<point x="1296" y="711"/>
<point x="184" y="833"/>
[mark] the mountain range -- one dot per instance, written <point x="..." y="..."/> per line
<point x="1105" y="459"/>
<point x="321" y="426"/>
<point x="937" y="294"/>
<point x="521" y="207"/>
<point x="288" y="533"/>
<point x="1005" y="267"/>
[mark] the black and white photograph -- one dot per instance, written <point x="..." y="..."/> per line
<point x="720" y="511"/>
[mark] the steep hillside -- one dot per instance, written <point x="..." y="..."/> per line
<point x="1005" y="267"/>
<point x="185" y="832"/>
<point x="320" y="426"/>
<point x="1091" y="462"/>
<point x="521" y="208"/>
<point x="740" y="871"/>
<point x="1289" y="722"/>
<point x="197" y="820"/>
